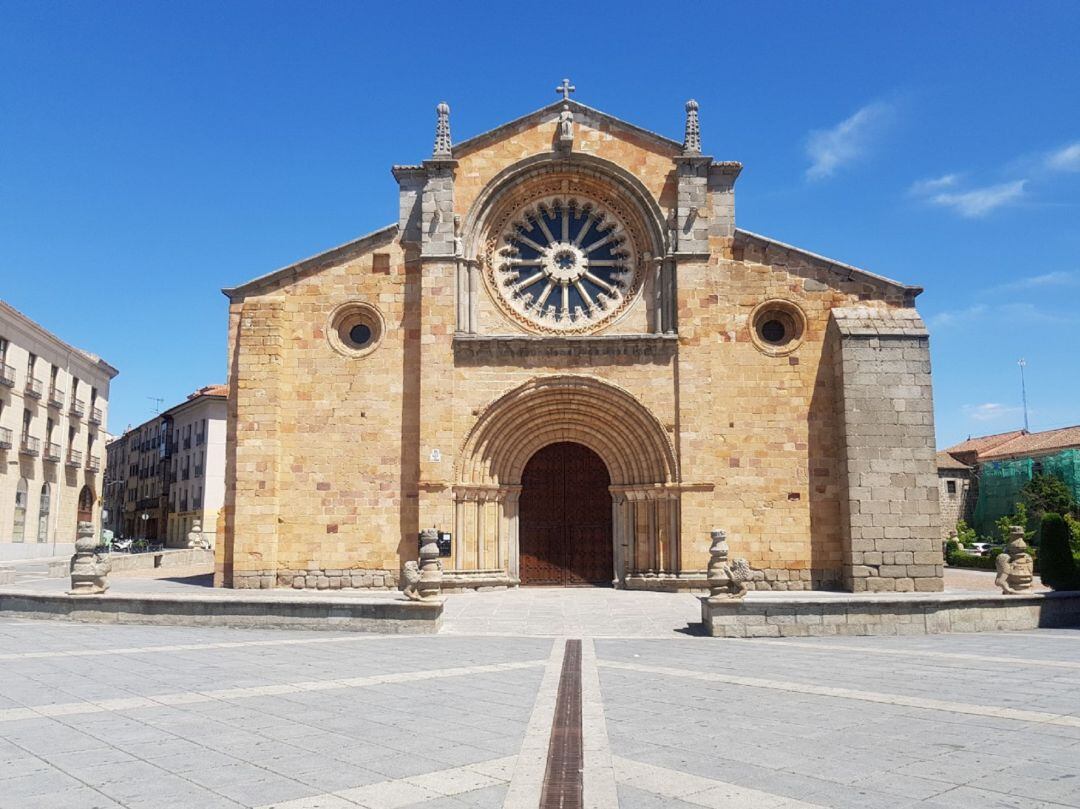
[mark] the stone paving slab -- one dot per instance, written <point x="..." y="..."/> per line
<point x="138" y="716"/>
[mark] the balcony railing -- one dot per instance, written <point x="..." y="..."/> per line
<point x="34" y="388"/>
<point x="7" y="375"/>
<point x="78" y="408"/>
<point x="52" y="452"/>
<point x="30" y="445"/>
<point x="95" y="415"/>
<point x="93" y="463"/>
<point x="5" y="438"/>
<point x="56" y="397"/>
<point x="74" y="457"/>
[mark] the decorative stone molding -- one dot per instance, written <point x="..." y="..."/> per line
<point x="485" y="349"/>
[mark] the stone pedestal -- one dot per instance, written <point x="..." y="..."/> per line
<point x="430" y="584"/>
<point x="89" y="570"/>
<point x="724" y="581"/>
<point x="1015" y="567"/>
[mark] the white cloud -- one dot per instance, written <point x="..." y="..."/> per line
<point x="990" y="411"/>
<point x="1067" y="158"/>
<point x="924" y="187"/>
<point x="1049" y="279"/>
<point x="1005" y="314"/>
<point x="980" y="201"/>
<point x="955" y="317"/>
<point x="829" y="149"/>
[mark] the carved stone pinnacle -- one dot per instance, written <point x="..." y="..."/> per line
<point x="692" y="139"/>
<point x="442" y="132"/>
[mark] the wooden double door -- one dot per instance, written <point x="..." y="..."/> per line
<point x="564" y="523"/>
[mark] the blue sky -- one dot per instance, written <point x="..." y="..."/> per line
<point x="152" y="153"/>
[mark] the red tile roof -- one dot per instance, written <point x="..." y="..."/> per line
<point x="1035" y="444"/>
<point x="983" y="443"/>
<point x="947" y="461"/>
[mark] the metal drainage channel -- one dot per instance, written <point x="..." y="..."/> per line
<point x="562" y="777"/>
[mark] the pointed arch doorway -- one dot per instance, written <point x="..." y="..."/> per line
<point x="565" y="518"/>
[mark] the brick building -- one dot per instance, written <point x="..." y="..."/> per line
<point x="565" y="354"/>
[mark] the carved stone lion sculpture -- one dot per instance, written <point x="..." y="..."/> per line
<point x="412" y="579"/>
<point x="726" y="580"/>
<point x="1015" y="567"/>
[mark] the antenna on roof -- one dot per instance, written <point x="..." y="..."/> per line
<point x="1023" y="391"/>
<point x="158" y="402"/>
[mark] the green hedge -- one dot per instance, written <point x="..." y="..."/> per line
<point x="975" y="562"/>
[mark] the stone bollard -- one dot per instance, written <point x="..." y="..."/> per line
<point x="89" y="570"/>
<point x="1015" y="567"/>
<point x="430" y="564"/>
<point x="423" y="579"/>
<point x="195" y="538"/>
<point x="724" y="581"/>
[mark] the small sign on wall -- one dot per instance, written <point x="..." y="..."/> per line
<point x="435" y="456"/>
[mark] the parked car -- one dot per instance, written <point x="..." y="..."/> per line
<point x="978" y="549"/>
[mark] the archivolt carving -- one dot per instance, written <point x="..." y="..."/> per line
<point x="602" y="416"/>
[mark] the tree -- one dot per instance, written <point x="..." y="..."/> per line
<point x="1019" y="517"/>
<point x="1048" y="494"/>
<point x="1057" y="568"/>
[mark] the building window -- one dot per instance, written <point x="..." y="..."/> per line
<point x="950" y="486"/>
<point x="777" y="327"/>
<point x="86" y="505"/>
<point x="43" y="514"/>
<point x="18" y="533"/>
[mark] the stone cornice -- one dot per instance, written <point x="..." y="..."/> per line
<point x="515" y="346"/>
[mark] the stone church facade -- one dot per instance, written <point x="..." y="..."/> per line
<point x="565" y="354"/>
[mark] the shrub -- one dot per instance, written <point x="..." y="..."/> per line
<point x="1074" y="532"/>
<point x="965" y="534"/>
<point x="1057" y="567"/>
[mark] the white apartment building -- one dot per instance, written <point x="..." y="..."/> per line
<point x="53" y="410"/>
<point x="197" y="463"/>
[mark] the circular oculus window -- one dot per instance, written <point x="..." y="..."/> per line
<point x="565" y="266"/>
<point x="355" y="329"/>
<point x="777" y="327"/>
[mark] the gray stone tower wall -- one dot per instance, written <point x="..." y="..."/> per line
<point x="892" y="520"/>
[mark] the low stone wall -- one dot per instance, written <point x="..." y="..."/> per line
<point x="887" y="615"/>
<point x="166" y="559"/>
<point x="316" y="579"/>
<point x="386" y="616"/>
<point x="696" y="581"/>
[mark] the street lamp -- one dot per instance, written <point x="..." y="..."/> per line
<point x="144" y="518"/>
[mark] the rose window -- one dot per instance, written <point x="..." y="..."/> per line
<point x="564" y="265"/>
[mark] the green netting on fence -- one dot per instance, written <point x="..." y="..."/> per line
<point x="1000" y="483"/>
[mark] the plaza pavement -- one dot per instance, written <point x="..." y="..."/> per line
<point x="141" y="716"/>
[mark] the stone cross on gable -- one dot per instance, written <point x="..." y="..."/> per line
<point x="566" y="88"/>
